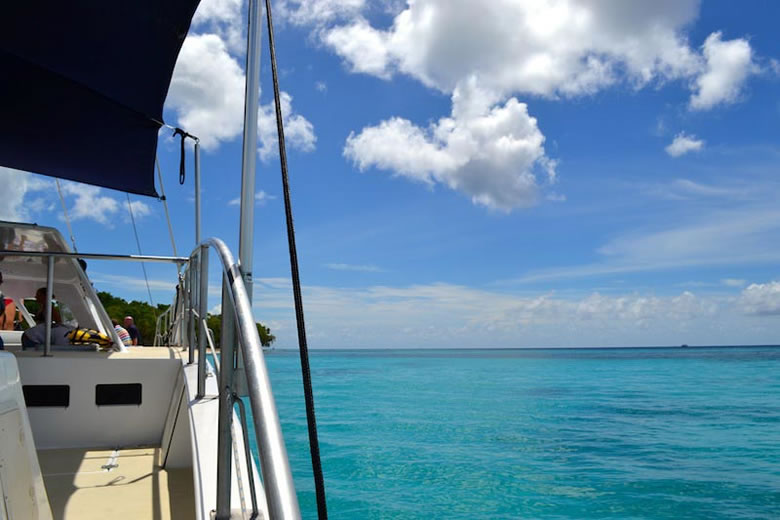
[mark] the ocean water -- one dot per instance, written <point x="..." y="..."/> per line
<point x="499" y="434"/>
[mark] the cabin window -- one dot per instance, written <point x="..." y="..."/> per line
<point x="46" y="395"/>
<point x="118" y="394"/>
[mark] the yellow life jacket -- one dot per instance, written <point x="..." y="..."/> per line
<point x="88" y="337"/>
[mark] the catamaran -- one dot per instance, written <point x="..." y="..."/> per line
<point x="157" y="432"/>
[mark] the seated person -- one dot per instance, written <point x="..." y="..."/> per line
<point x="40" y="316"/>
<point x="122" y="333"/>
<point x="7" y="310"/>
<point x="132" y="330"/>
<point x="36" y="336"/>
<point x="8" y="317"/>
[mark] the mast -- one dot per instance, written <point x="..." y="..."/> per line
<point x="245" y="250"/>
<point x="248" y="165"/>
<point x="249" y="152"/>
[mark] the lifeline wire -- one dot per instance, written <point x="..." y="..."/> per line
<point x="165" y="205"/>
<point x="67" y="218"/>
<point x="314" y="447"/>
<point x="138" y="243"/>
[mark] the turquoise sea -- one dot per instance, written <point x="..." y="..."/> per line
<point x="575" y="433"/>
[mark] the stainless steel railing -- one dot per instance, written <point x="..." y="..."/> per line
<point x="237" y="315"/>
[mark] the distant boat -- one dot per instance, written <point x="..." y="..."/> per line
<point x="684" y="345"/>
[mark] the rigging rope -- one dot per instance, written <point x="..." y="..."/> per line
<point x="138" y="243"/>
<point x="67" y="218"/>
<point x="165" y="205"/>
<point x="314" y="448"/>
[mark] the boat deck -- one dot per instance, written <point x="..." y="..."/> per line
<point x="116" y="484"/>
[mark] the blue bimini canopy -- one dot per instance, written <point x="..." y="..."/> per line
<point x="82" y="86"/>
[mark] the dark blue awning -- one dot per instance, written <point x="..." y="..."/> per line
<point x="82" y="87"/>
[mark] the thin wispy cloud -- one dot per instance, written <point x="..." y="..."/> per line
<point x="738" y="237"/>
<point x="261" y="198"/>
<point x="686" y="189"/>
<point x="355" y="267"/>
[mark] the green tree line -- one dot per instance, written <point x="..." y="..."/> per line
<point x="214" y="322"/>
<point x="145" y="317"/>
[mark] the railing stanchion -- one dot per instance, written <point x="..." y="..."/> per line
<point x="48" y="306"/>
<point x="188" y="312"/>
<point x="202" y="315"/>
<point x="247" y="454"/>
<point x="224" y="437"/>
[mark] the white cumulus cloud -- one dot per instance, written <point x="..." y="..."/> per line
<point x="493" y="154"/>
<point x="563" y="48"/>
<point x="307" y="12"/>
<point x="140" y="209"/>
<point x="222" y="17"/>
<point x="364" y="48"/>
<point x="207" y="90"/>
<point x="17" y="207"/>
<point x="683" y="144"/>
<point x="298" y="131"/>
<point x="761" y="298"/>
<point x="728" y="64"/>
<point x="89" y="203"/>
<point x="207" y="95"/>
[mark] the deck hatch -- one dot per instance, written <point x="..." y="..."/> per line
<point x="118" y="394"/>
<point x="46" y="395"/>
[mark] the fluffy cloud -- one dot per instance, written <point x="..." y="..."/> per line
<point x="564" y="48"/>
<point x="207" y="88"/>
<point x="89" y="204"/>
<point x="140" y="209"/>
<point x="298" y="131"/>
<point x="222" y="17"/>
<point x="84" y="202"/>
<point x="307" y="12"/>
<point x="729" y="63"/>
<point x="761" y="299"/>
<point x="491" y="153"/>
<point x="17" y="184"/>
<point x="683" y="144"/>
<point x="364" y="48"/>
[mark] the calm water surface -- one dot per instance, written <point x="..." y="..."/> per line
<point x="490" y="434"/>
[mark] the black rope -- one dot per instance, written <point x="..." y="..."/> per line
<point x="314" y="447"/>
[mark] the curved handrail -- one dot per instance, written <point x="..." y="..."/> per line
<point x="277" y="477"/>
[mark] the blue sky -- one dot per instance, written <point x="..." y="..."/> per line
<point x="517" y="173"/>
